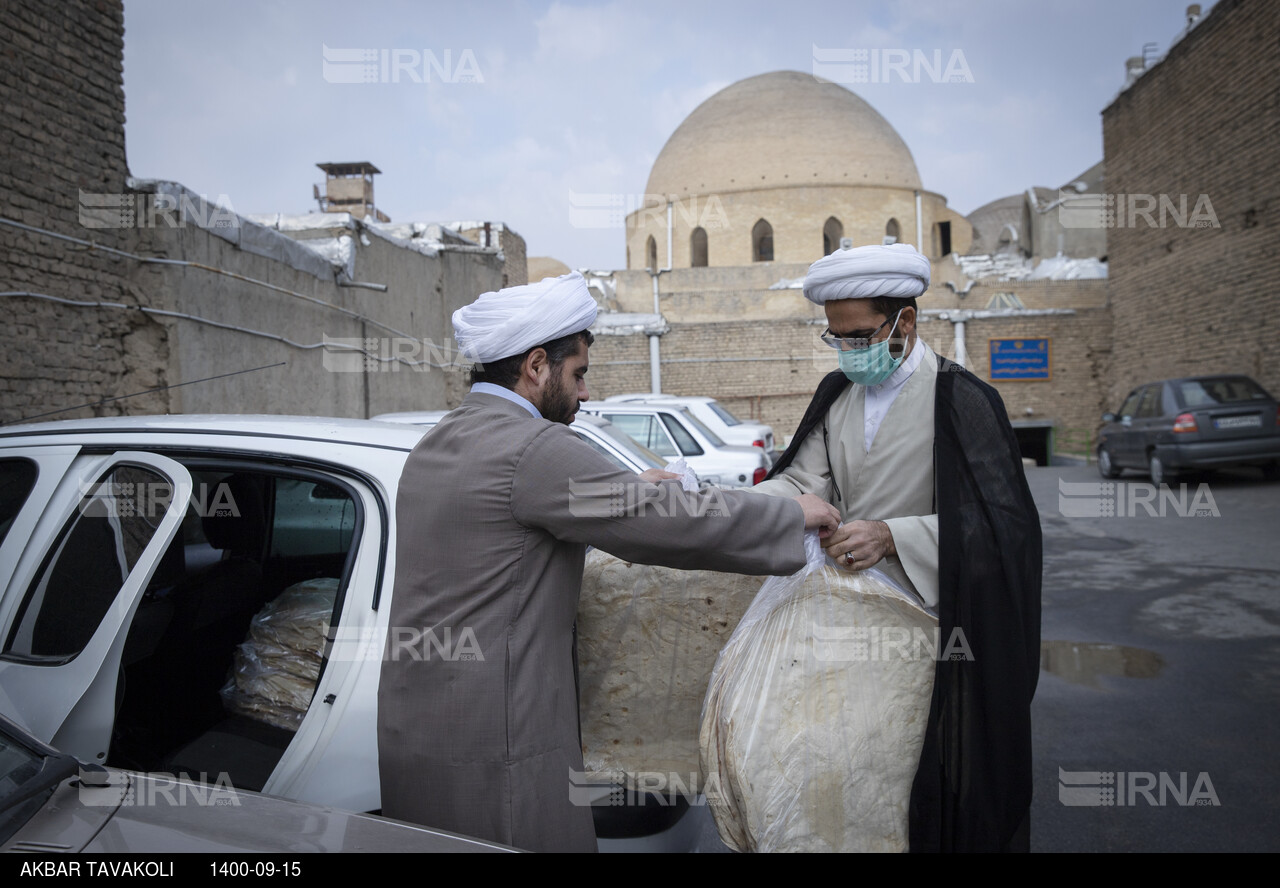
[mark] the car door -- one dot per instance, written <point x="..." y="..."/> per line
<point x="1120" y="436"/>
<point x="1149" y="424"/>
<point x="73" y="590"/>
<point x="645" y="428"/>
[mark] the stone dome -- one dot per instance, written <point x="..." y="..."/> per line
<point x="778" y="130"/>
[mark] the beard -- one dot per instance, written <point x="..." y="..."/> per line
<point x="558" y="403"/>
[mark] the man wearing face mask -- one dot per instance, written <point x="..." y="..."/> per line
<point x="478" y="701"/>
<point x="919" y="457"/>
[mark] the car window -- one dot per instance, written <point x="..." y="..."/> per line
<point x="1130" y="405"/>
<point x="311" y="518"/>
<point x="1150" y="406"/>
<point x="1207" y="392"/>
<point x="18" y="765"/>
<point x="688" y="446"/>
<point x="114" y="521"/>
<point x="606" y="453"/>
<point x="17" y="478"/>
<point x="647" y="430"/>
<point x="686" y="416"/>
<point x="643" y="454"/>
<point x="725" y="416"/>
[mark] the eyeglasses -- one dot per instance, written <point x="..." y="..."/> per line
<point x="857" y="343"/>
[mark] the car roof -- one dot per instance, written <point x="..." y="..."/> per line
<point x="669" y="399"/>
<point x="315" y="428"/>
<point x="634" y="406"/>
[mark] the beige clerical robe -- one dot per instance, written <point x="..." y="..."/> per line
<point x="477" y="708"/>
<point x="892" y="483"/>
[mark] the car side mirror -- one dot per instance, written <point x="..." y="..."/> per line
<point x="1108" y="417"/>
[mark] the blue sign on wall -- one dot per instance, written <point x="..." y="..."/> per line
<point x="1020" y="359"/>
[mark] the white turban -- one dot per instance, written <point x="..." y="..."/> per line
<point x="896" y="270"/>
<point x="510" y="322"/>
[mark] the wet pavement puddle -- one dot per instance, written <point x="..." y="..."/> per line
<point x="1082" y="663"/>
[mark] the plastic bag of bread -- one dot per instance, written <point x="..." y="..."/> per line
<point x="815" y="713"/>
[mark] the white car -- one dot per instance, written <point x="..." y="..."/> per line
<point x="672" y="431"/>
<point x="136" y="552"/>
<point x="714" y="416"/>
<point x="621" y="449"/>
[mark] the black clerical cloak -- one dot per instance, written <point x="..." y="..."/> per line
<point x="972" y="790"/>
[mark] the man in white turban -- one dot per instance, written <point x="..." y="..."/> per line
<point x="919" y="456"/>
<point x="478" y="706"/>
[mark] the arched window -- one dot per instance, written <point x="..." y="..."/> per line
<point x="762" y="242"/>
<point x="651" y="250"/>
<point x="941" y="239"/>
<point x="831" y="234"/>
<point x="891" y="230"/>
<point x="698" y="248"/>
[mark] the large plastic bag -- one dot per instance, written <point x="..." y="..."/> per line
<point x="276" y="669"/>
<point x="815" y="713"/>
<point x="648" y="637"/>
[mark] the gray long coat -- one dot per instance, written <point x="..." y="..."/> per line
<point x="478" y="721"/>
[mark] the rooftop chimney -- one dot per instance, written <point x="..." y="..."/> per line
<point x="1133" y="68"/>
<point x="348" y="188"/>
<point x="1193" y="14"/>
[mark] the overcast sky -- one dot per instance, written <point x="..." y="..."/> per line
<point x="520" y="105"/>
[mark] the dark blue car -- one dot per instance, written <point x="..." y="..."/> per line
<point x="1200" y="422"/>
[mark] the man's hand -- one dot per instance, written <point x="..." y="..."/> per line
<point x="860" y="544"/>
<point x="819" y="514"/>
<point x="653" y="476"/>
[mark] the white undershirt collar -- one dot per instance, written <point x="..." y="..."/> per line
<point x="488" y="388"/>
<point x="881" y="397"/>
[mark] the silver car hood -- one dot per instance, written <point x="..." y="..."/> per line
<point x="148" y="814"/>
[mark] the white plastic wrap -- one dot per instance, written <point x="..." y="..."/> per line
<point x="647" y="639"/>
<point x="275" y="671"/>
<point x="815" y="713"/>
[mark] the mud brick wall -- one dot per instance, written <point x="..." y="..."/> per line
<point x="61" y="91"/>
<point x="1204" y="121"/>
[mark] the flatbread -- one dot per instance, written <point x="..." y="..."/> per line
<point x="648" y="638"/>
<point x="815" y="717"/>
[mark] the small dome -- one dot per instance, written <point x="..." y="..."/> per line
<point x="779" y="130"/>
<point x="544" y="267"/>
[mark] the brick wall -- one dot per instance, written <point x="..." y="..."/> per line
<point x="769" y="371"/>
<point x="1205" y="120"/>
<point x="63" y="101"/>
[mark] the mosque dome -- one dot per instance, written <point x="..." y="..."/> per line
<point x="778" y="130"/>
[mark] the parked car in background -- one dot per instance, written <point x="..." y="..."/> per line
<point x="1199" y="422"/>
<point x="137" y="552"/>
<point x="621" y="449"/>
<point x="671" y="431"/>
<point x="51" y="803"/>
<point x="714" y="416"/>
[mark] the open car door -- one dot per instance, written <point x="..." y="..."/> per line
<point x="73" y="593"/>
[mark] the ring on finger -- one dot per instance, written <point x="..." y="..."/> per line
<point x="848" y="558"/>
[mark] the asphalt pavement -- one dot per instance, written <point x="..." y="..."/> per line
<point x="1157" y="713"/>
<point x="1155" y="721"/>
